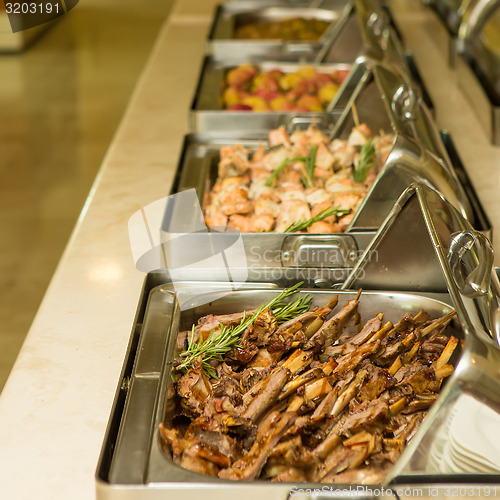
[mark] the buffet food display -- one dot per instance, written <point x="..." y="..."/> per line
<point x="285" y="394"/>
<point x="311" y="140"/>
<point x="306" y="89"/>
<point x="472" y="31"/>
<point x="302" y="182"/>
<point x="297" y="28"/>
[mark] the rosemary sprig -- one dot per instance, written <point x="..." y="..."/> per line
<point x="367" y="160"/>
<point x="304" y="224"/>
<point x="219" y="343"/>
<point x="310" y="161"/>
<point x="276" y="172"/>
<point x="285" y="311"/>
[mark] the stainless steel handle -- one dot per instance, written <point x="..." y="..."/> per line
<point x="471" y="261"/>
<point x="323" y="251"/>
<point x="479" y="16"/>
<point x="297" y="49"/>
<point x="323" y="120"/>
<point x="405" y="103"/>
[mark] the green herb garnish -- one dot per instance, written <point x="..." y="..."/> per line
<point x="219" y="343"/>
<point x="285" y="311"/>
<point x="276" y="172"/>
<point x="304" y="224"/>
<point x="367" y="160"/>
<point x="310" y="161"/>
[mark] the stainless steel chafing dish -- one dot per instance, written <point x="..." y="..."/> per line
<point x="197" y="169"/>
<point x="425" y="248"/>
<point x="452" y="13"/>
<point x="419" y="154"/>
<point x="375" y="44"/>
<point x="356" y="30"/>
<point x="478" y="63"/>
<point x="207" y="114"/>
<point x="229" y="16"/>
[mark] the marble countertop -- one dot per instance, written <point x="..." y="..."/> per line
<point x="56" y="403"/>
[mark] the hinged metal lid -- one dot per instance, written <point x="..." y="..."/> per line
<point x="478" y="43"/>
<point x="418" y="153"/>
<point x="425" y="244"/>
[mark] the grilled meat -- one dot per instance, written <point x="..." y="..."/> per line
<point x="313" y="401"/>
<point x="299" y="177"/>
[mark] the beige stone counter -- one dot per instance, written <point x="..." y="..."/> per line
<point x="56" y="403"/>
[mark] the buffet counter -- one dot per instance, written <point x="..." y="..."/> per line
<point x="56" y="403"/>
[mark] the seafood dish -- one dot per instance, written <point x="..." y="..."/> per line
<point x="286" y="29"/>
<point x="303" y="181"/>
<point x="306" y="89"/>
<point x="285" y="393"/>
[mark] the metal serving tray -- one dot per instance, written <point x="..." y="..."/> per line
<point x="460" y="259"/>
<point x="356" y="31"/>
<point x="229" y="16"/>
<point x="384" y="101"/>
<point x="207" y="114"/>
<point x="197" y="169"/>
<point x="133" y="463"/>
<point x="478" y="64"/>
<point x="452" y="14"/>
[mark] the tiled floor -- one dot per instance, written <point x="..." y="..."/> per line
<point x="60" y="103"/>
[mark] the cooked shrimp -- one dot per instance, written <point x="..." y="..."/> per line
<point x="241" y="198"/>
<point x="275" y="158"/>
<point x="234" y="161"/>
<point x="344" y="222"/>
<point x="316" y="136"/>
<point x="262" y="223"/>
<point x="317" y="195"/>
<point x="383" y="147"/>
<point x="259" y="154"/>
<point x="234" y="202"/>
<point x="228" y="182"/>
<point x="259" y="174"/>
<point x="359" y="135"/>
<point x="347" y="201"/>
<point x="364" y="129"/>
<point x="321" y="227"/>
<point x="258" y="189"/>
<point x="279" y="136"/>
<point x="292" y="211"/>
<point x="291" y="176"/>
<point x="343" y="154"/>
<point x="266" y="207"/>
<point x="340" y="184"/>
<point x="301" y="144"/>
<point x="240" y="222"/>
<point x="214" y="217"/>
<point x="324" y="158"/>
<point x="319" y="207"/>
<point x="292" y="193"/>
<point x="270" y="196"/>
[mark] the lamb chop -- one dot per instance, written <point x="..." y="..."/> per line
<point x="308" y="399"/>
